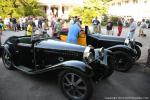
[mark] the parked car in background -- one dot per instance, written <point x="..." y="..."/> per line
<point x="126" y="51"/>
<point x="77" y="66"/>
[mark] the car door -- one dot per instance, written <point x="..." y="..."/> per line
<point x="45" y="57"/>
<point x="24" y="52"/>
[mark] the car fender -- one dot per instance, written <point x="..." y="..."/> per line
<point x="74" y="65"/>
<point x="5" y="47"/>
<point x="138" y="43"/>
<point x="123" y="48"/>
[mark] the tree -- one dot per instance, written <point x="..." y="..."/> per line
<point x="8" y="7"/>
<point x="19" y="8"/>
<point x="29" y="7"/>
<point x="90" y="9"/>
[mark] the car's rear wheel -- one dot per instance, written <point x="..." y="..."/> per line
<point x="75" y="85"/>
<point x="6" y="57"/>
<point x="138" y="55"/>
<point x="123" y="61"/>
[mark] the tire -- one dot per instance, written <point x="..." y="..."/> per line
<point x="138" y="55"/>
<point x="123" y="61"/>
<point x="6" y="57"/>
<point x="75" y="85"/>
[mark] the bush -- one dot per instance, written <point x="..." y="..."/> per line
<point x="114" y="20"/>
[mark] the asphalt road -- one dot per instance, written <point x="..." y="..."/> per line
<point x="16" y="85"/>
<point x="133" y="85"/>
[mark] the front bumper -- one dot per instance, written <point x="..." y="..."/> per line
<point x="103" y="66"/>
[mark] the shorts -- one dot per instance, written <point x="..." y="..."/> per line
<point x="14" y="25"/>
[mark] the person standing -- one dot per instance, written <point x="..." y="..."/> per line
<point x="120" y="26"/>
<point x="29" y="28"/>
<point x="52" y="24"/>
<point x="74" y="30"/>
<point x="45" y="28"/>
<point x="1" y="28"/>
<point x="36" y="22"/>
<point x="21" y="23"/>
<point x="40" y="23"/>
<point x="14" y="22"/>
<point x="58" y="27"/>
<point x="132" y="28"/>
<point x="109" y="27"/>
<point x="71" y="20"/>
<point x="7" y="23"/>
<point x="142" y="26"/>
<point x="96" y="25"/>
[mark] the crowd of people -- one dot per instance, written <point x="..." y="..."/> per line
<point x="121" y="24"/>
<point x="55" y="25"/>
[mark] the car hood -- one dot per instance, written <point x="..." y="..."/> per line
<point x="59" y="45"/>
<point x="107" y="37"/>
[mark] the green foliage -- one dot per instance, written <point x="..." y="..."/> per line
<point x="19" y="8"/>
<point x="8" y="7"/>
<point x="114" y="20"/>
<point x="90" y="9"/>
<point x="29" y="7"/>
<point x="104" y="21"/>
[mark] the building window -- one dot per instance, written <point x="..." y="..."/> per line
<point x="126" y="2"/>
<point x="119" y="3"/>
<point x="145" y="1"/>
<point x="113" y="4"/>
<point x="135" y="1"/>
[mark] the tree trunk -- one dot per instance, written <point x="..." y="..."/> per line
<point x="148" y="58"/>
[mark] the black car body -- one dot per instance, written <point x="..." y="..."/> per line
<point x="126" y="51"/>
<point x="107" y="41"/>
<point x="77" y="66"/>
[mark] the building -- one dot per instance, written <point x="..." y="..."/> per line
<point x="59" y="8"/>
<point x="137" y="9"/>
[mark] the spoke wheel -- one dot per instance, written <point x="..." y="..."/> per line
<point x="7" y="60"/>
<point x="75" y="86"/>
<point x="123" y="61"/>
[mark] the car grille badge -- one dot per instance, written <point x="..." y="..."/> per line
<point x="61" y="59"/>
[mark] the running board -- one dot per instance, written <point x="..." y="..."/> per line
<point x="25" y="69"/>
<point x="32" y="71"/>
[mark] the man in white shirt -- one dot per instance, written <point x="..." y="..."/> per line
<point x="132" y="28"/>
<point x="142" y="26"/>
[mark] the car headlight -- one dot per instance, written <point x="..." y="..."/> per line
<point x="127" y="41"/>
<point x="101" y="52"/>
<point x="88" y="55"/>
<point x="133" y="41"/>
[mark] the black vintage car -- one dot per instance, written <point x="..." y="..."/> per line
<point x="77" y="66"/>
<point x="126" y="51"/>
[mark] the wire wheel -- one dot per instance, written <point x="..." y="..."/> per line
<point x="75" y="86"/>
<point x="6" y="57"/>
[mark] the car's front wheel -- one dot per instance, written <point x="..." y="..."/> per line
<point x="6" y="57"/>
<point x="75" y="85"/>
<point x="123" y="61"/>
